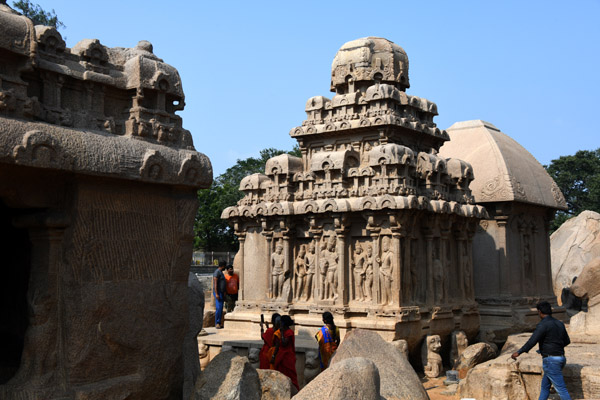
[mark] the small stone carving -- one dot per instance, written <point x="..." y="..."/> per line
<point x="311" y="366"/>
<point x="385" y="272"/>
<point x="430" y="356"/>
<point x="277" y="271"/>
<point x="459" y="344"/>
<point x="310" y="261"/>
<point x="253" y="357"/>
<point x="300" y="267"/>
<point x="359" y="270"/>
<point x="402" y="346"/>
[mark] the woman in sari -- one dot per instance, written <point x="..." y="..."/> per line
<point x="329" y="340"/>
<point x="267" y="337"/>
<point x="284" y="355"/>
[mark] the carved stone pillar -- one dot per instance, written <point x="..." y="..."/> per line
<point x="504" y="270"/>
<point x="269" y="236"/>
<point x="429" y="268"/>
<point x="242" y="240"/>
<point x="341" y="246"/>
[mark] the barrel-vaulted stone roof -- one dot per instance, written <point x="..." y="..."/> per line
<point x="503" y="169"/>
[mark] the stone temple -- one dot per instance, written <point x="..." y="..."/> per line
<point x="371" y="223"/>
<point x="98" y="196"/>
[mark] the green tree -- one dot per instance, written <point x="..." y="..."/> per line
<point x="578" y="177"/>
<point x="37" y="14"/>
<point x="211" y="232"/>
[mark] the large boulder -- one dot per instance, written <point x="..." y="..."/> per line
<point x="398" y="378"/>
<point x="351" y="378"/>
<point x="504" y="379"/>
<point x="475" y="354"/>
<point x="587" y="286"/>
<point x="228" y="377"/>
<point x="573" y="245"/>
<point x="275" y="385"/>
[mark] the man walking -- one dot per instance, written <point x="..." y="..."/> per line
<point x="219" y="283"/>
<point x="552" y="337"/>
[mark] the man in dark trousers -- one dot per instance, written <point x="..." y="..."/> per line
<point x="552" y="337"/>
<point x="219" y="283"/>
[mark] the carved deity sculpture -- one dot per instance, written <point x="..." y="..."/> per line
<point x="368" y="284"/>
<point x="358" y="268"/>
<point x="300" y="267"/>
<point x="310" y="261"/>
<point x="385" y="271"/>
<point x="430" y="356"/>
<point x="323" y="266"/>
<point x="332" y="276"/>
<point x="277" y="271"/>
<point x="459" y="344"/>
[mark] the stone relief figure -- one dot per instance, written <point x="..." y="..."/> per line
<point x="310" y="261"/>
<point x="323" y="266"/>
<point x="358" y="268"/>
<point x="459" y="344"/>
<point x="332" y="263"/>
<point x="466" y="267"/>
<point x="430" y="356"/>
<point x="300" y="267"/>
<point x="368" y="283"/>
<point x="277" y="271"/>
<point x="385" y="271"/>
<point x="438" y="275"/>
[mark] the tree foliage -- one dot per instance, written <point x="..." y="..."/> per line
<point x="211" y="232"/>
<point x="37" y="14"/>
<point x="578" y="177"/>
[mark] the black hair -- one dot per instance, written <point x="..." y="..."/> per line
<point x="287" y="320"/>
<point x="274" y="318"/>
<point x="222" y="263"/>
<point x="229" y="266"/>
<point x="544" y="307"/>
<point x="328" y="318"/>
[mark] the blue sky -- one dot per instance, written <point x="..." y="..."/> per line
<point x="528" y="67"/>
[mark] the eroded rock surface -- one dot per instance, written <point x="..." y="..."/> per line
<point x="352" y="378"/>
<point x="274" y="385"/>
<point x="473" y="355"/>
<point x="398" y="378"/>
<point x="228" y="377"/>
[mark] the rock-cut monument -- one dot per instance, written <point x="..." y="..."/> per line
<point x="370" y="223"/>
<point x="98" y="184"/>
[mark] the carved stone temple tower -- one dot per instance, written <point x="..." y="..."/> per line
<point x="370" y="223"/>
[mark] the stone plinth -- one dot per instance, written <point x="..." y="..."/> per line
<point x="511" y="249"/>
<point x="98" y="184"/>
<point x="370" y="223"/>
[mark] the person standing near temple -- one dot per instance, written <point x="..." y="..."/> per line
<point x="284" y="354"/>
<point x="267" y="337"/>
<point x="231" y="289"/>
<point x="552" y="337"/>
<point x="219" y="284"/>
<point x="328" y="338"/>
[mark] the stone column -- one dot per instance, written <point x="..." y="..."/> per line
<point x="397" y="268"/>
<point x="504" y="266"/>
<point x="269" y="237"/>
<point x="242" y="240"/>
<point x="376" y="261"/>
<point x="406" y="284"/>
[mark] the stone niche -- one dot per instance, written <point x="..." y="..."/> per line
<point x="97" y="200"/>
<point x="512" y="268"/>
<point x="371" y="223"/>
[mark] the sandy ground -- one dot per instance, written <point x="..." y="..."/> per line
<point x="437" y="390"/>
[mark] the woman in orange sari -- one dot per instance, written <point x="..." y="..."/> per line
<point x="329" y="340"/>
<point x="267" y="338"/>
<point x="284" y="355"/>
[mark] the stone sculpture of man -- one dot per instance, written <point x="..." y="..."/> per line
<point x="323" y="266"/>
<point x="358" y="262"/>
<point x="310" y="264"/>
<point x="300" y="267"/>
<point x="332" y="276"/>
<point x="277" y="270"/>
<point x="368" y="284"/>
<point x="385" y="272"/>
